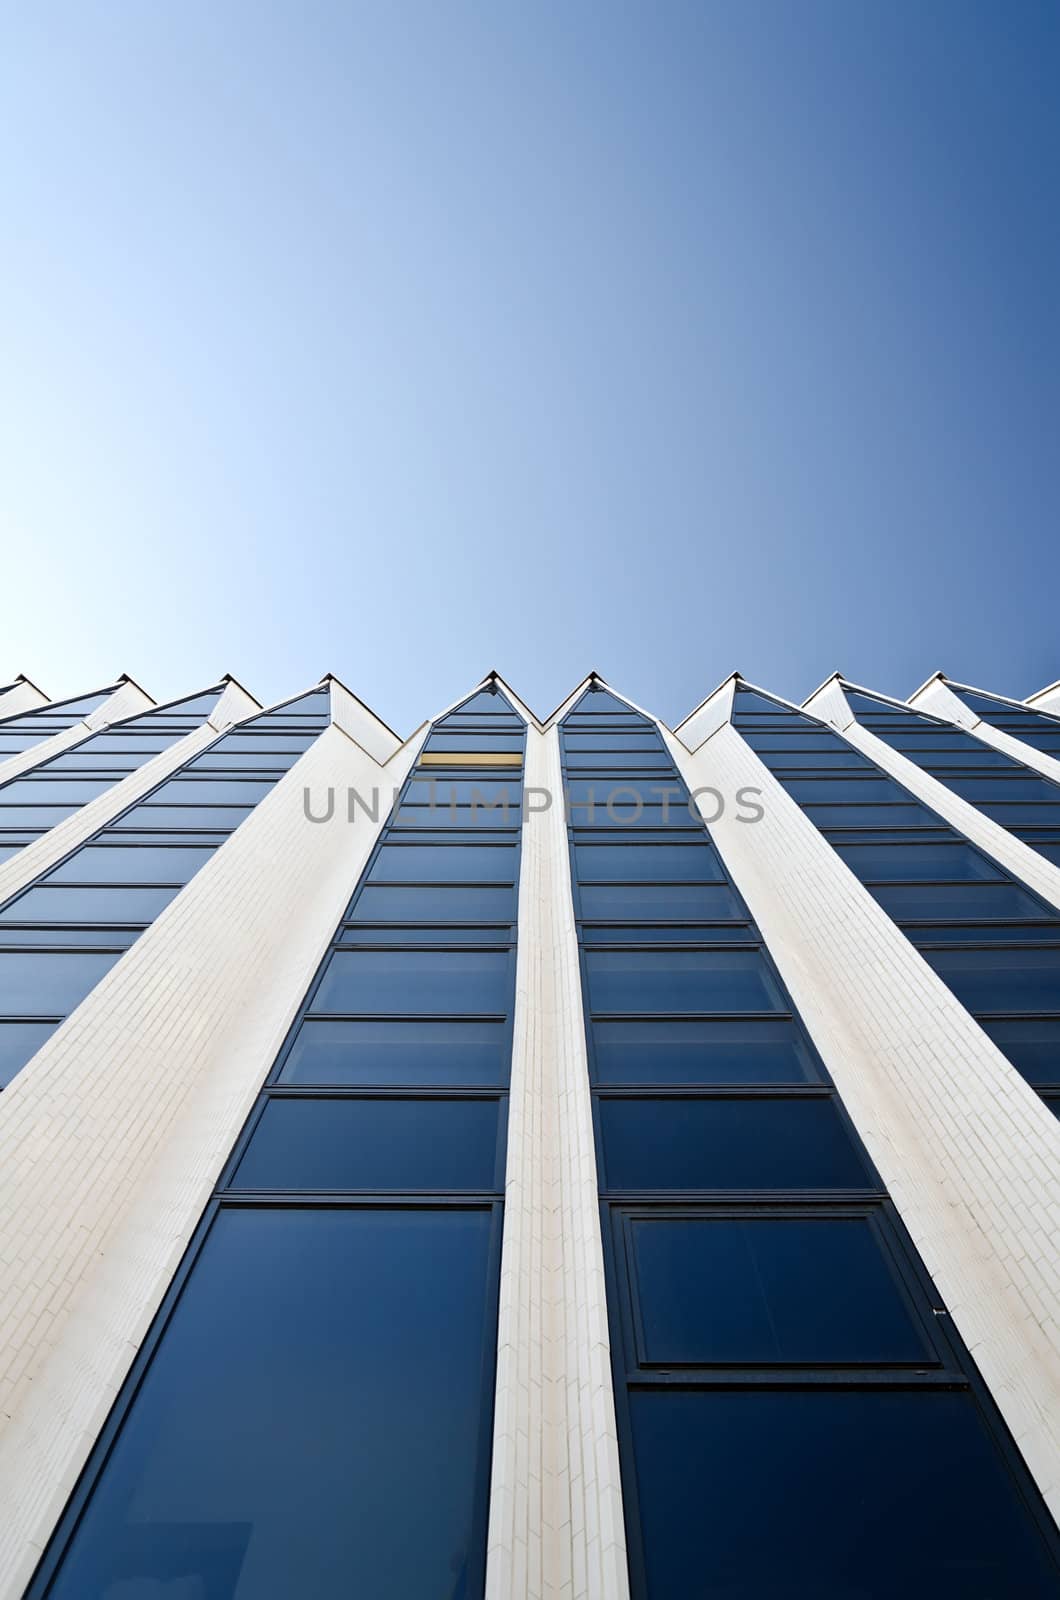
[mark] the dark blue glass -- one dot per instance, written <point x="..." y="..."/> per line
<point x="641" y="933"/>
<point x="598" y="758"/>
<point x="320" y="1390"/>
<point x="647" y="981"/>
<point x="415" y="981"/>
<point x="211" y="791"/>
<point x="1028" y="815"/>
<point x="483" y="792"/>
<point x="363" y="934"/>
<point x="262" y="744"/>
<point x="612" y="739"/>
<point x="1002" y="787"/>
<point x="1032" y="1044"/>
<point x="797" y="741"/>
<point x="414" y="1054"/>
<point x="602" y="702"/>
<point x="456" y="863"/>
<point x="687" y="1050"/>
<point x="456" y="817"/>
<point x="759" y="1143"/>
<point x="620" y="790"/>
<point x="384" y="1144"/>
<point x="658" y="902"/>
<point x="400" y="903"/>
<point x="19" y="1041"/>
<point x="960" y="901"/>
<point x="127" y="904"/>
<point x="868" y="816"/>
<point x="211" y="818"/>
<point x="829" y="1495"/>
<point x="49" y="983"/>
<point x="655" y="863"/>
<point x="1001" y="980"/>
<point x="474" y="739"/>
<point x="909" y="860"/>
<point x="130" y="864"/>
<point x="836" y="791"/>
<point x="770" y="1290"/>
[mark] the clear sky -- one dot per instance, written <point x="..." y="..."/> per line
<point x="414" y="339"/>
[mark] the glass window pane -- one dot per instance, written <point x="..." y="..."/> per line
<point x="415" y="981"/>
<point x="612" y="740"/>
<point x="751" y="1290"/>
<point x="376" y="1052"/>
<point x="319" y="1391"/>
<point x="18" y="1042"/>
<point x="681" y="1050"/>
<point x="477" y="816"/>
<point x="52" y="791"/>
<point x="264" y="743"/>
<point x="398" y="903"/>
<point x="223" y="818"/>
<point x="1022" y="816"/>
<point x="372" y="1144"/>
<point x="130" y="864"/>
<point x="681" y="980"/>
<point x="34" y="816"/>
<point x="482" y="792"/>
<point x="727" y="1144"/>
<point x="909" y="860"/>
<point x="212" y="791"/>
<point x="456" y="863"/>
<point x="830" y="1495"/>
<point x="49" y="983"/>
<point x="600" y="759"/>
<point x="910" y="816"/>
<point x="44" y="904"/>
<point x="1032" y="1044"/>
<point x="641" y="933"/>
<point x="474" y="739"/>
<point x="1001" y="980"/>
<point x="853" y="791"/>
<point x="1003" y="787"/>
<point x="960" y="901"/>
<point x="656" y="863"/>
<point x="656" y="903"/>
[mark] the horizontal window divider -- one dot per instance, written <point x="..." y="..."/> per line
<point x="406" y="1016"/>
<point x="896" y="1377"/>
<point x="771" y="1197"/>
<point x="692" y="1016"/>
<point x="303" y="1091"/>
<point x="15" y="1016"/>
<point x="942" y="943"/>
<point x="755" y="943"/>
<point x="714" y="1091"/>
<point x="375" y="1200"/>
<point x="379" y="1196"/>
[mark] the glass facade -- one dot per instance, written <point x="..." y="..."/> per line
<point x="1002" y="788"/>
<point x="994" y="942"/>
<point x="21" y="732"/>
<point x="311" y="1415"/>
<point x="36" y="800"/>
<point x="60" y="934"/>
<point x="782" y="1362"/>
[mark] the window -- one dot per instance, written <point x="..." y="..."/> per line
<point x="127" y="904"/>
<point x="869" y="816"/>
<point x="873" y="1494"/>
<point x="686" y="1050"/>
<point x="441" y="903"/>
<point x="1001" y="980"/>
<point x="656" y="902"/>
<point x="680" y="980"/>
<point x="655" y="863"/>
<point x="18" y="1042"/>
<point x="372" y="1145"/>
<point x="771" y="1289"/>
<point x="52" y="791"/>
<point x="909" y="860"/>
<point x="219" y="818"/>
<point x="373" y="1366"/>
<point x="368" y="1052"/>
<point x="942" y="901"/>
<point x="105" y="863"/>
<point x="471" y="740"/>
<point x="430" y="863"/>
<point x="49" y="983"/>
<point x="211" y="791"/>
<point x="447" y="982"/>
<point x="732" y="1143"/>
<point x="1032" y="1044"/>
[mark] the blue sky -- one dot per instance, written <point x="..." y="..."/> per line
<point x="413" y="339"/>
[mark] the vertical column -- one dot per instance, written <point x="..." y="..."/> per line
<point x="556" y="1526"/>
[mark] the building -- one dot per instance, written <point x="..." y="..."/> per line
<point x="531" y="1159"/>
